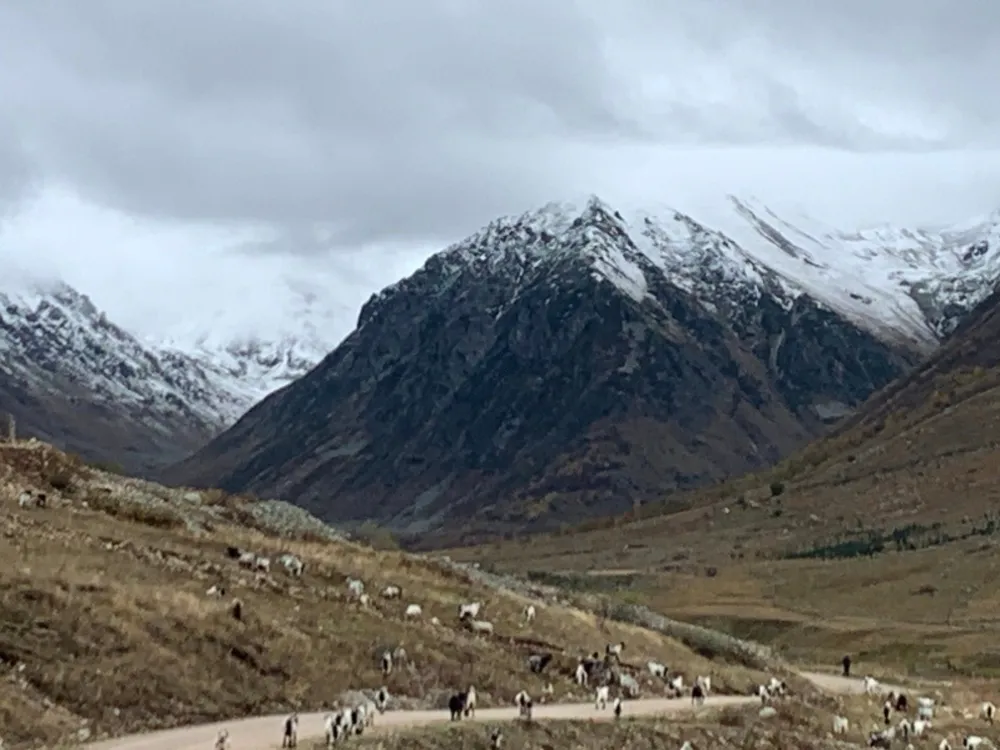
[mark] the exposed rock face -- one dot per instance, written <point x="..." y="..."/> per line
<point x="552" y="367"/>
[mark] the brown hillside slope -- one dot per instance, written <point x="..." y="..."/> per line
<point x="106" y="625"/>
<point x="891" y="519"/>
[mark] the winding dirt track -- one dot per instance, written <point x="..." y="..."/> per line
<point x="263" y="733"/>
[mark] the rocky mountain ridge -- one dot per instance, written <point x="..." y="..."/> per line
<point x="574" y="360"/>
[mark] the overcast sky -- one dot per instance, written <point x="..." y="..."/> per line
<point x="143" y="143"/>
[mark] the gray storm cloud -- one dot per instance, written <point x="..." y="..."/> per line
<point x="399" y="120"/>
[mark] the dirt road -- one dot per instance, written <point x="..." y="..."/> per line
<point x="263" y="733"/>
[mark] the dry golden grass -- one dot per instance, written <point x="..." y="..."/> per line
<point x="104" y="617"/>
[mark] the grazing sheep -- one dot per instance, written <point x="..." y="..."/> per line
<point x="221" y="741"/>
<point x="601" y="698"/>
<point x="392" y="592"/>
<point x="580" y="675"/>
<point x="920" y="726"/>
<point x="290" y="737"/>
<point x="871" y="685"/>
<point x="217" y="590"/>
<point x="697" y="695"/>
<point x="356" y="587"/>
<point x="523" y="702"/>
<point x="656" y="669"/>
<point x="456" y="704"/>
<point x="496" y="739"/>
<point x="538" y="662"/>
<point x="292" y="565"/>
<point x="618" y="707"/>
<point x="705" y="682"/>
<point x="413" y="610"/>
<point x="987" y="711"/>
<point x="386" y="662"/>
<point x="470" y="702"/>
<point x="480" y="627"/>
<point x="841" y="725"/>
<point x="382" y="699"/>
<point x="470" y="609"/>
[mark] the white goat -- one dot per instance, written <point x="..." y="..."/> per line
<point x="364" y="600"/>
<point x="470" y="702"/>
<point x="382" y="699"/>
<point x="920" y="726"/>
<point x="987" y="711"/>
<point x="581" y="674"/>
<point x="262" y="564"/>
<point x="973" y="741"/>
<point x="705" y="683"/>
<point x="356" y="587"/>
<point x="292" y="565"/>
<point x="944" y="744"/>
<point x="763" y="693"/>
<point x="246" y="559"/>
<point x="413" y="610"/>
<point x="331" y="728"/>
<point x="392" y="592"/>
<point x="601" y="697"/>
<point x="872" y="685"/>
<point x="841" y="725"/>
<point x="523" y="702"/>
<point x="529" y="614"/>
<point x="470" y="609"/>
<point x="776" y="686"/>
<point x="481" y="627"/>
<point x="217" y="591"/>
<point x="656" y="669"/>
<point x="617" y="708"/>
<point x="614" y="649"/>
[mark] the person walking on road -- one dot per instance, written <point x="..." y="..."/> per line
<point x="847" y="665"/>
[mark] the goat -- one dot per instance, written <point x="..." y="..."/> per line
<point x="470" y="609"/>
<point x="364" y="600"/>
<point x="386" y="662"/>
<point x="841" y="725"/>
<point x="382" y="699"/>
<point x="331" y="728"/>
<point x="618" y="707"/>
<point x="871" y="685"/>
<point x="601" y="697"/>
<point x="538" y="662"/>
<point x="697" y="695"/>
<point x="356" y="587"/>
<point x="262" y="564"/>
<point x="705" y="682"/>
<point x="480" y="627"/>
<point x="293" y="565"/>
<point x="944" y="745"/>
<point x="290" y="737"/>
<point x="413" y="610"/>
<point x="902" y="705"/>
<point x="973" y="741"/>
<point x="217" y="590"/>
<point x="580" y="675"/>
<point x="879" y="739"/>
<point x="392" y="592"/>
<point x="523" y="702"/>
<point x="470" y="702"/>
<point x="496" y="739"/>
<point x="221" y="741"/>
<point x="656" y="669"/>
<point x="246" y="559"/>
<point x="987" y="711"/>
<point x="687" y="745"/>
<point x="456" y="704"/>
<point x="886" y="711"/>
<point x="777" y="687"/>
<point x="614" y="649"/>
<point x="763" y="693"/>
<point x="920" y="726"/>
<point x="529" y="614"/>
<point x="905" y="727"/>
<point x="676" y="685"/>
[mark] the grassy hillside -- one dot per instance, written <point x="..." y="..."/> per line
<point x="106" y="626"/>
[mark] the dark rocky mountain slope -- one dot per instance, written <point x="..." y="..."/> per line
<point x="559" y="365"/>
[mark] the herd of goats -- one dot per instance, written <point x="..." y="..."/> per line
<point x="601" y="672"/>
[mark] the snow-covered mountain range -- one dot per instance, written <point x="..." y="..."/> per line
<point x="561" y="363"/>
<point x="908" y="287"/>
